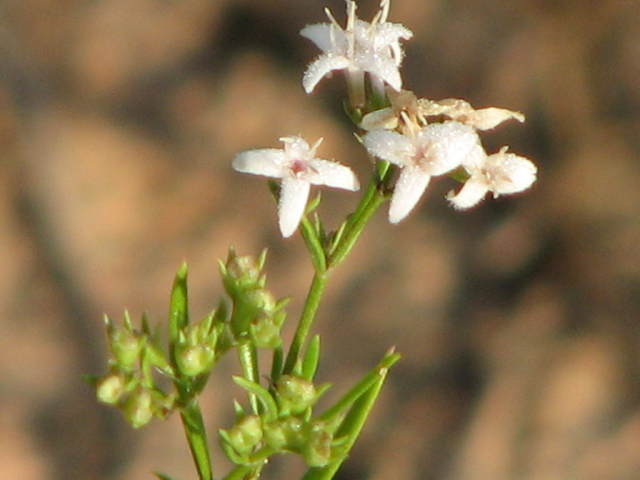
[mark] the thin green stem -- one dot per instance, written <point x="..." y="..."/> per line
<point x="370" y="202"/>
<point x="249" y="361"/>
<point x="197" y="438"/>
<point x="306" y="320"/>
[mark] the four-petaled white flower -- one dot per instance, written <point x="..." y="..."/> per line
<point x="360" y="47"/>
<point x="298" y="168"/>
<point x="501" y="173"/>
<point x="433" y="150"/>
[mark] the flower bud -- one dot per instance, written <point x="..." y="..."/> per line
<point x="261" y="299"/>
<point x="317" y="450"/>
<point x="295" y="394"/>
<point x="193" y="361"/>
<point x="265" y="333"/>
<point x="242" y="273"/>
<point x="284" y="433"/>
<point x="138" y="409"/>
<point x="110" y="389"/>
<point x="246" y="434"/>
<point x="126" y="347"/>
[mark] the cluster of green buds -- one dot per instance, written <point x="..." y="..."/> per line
<point x="257" y="316"/>
<point x="130" y="383"/>
<point x="285" y="421"/>
<point x="199" y="345"/>
<point x="284" y="424"/>
<point x="143" y="380"/>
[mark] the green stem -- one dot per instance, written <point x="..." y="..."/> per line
<point x="306" y="319"/>
<point x="197" y="438"/>
<point x="370" y="202"/>
<point x="249" y="362"/>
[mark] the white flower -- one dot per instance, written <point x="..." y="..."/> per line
<point x="417" y="110"/>
<point x="432" y="150"/>
<point x="501" y="173"/>
<point x="298" y="168"/>
<point x="360" y="47"/>
<point x="461" y="111"/>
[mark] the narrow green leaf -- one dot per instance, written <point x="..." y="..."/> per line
<point x="262" y="394"/>
<point x="311" y="359"/>
<point x="239" y="410"/>
<point x="313" y="244"/>
<point x="163" y="476"/>
<point x="108" y="323"/>
<point x="355" y="419"/>
<point x="313" y="203"/>
<point x="240" y="472"/>
<point x="179" y="309"/>
<point x="361" y="387"/>
<point x="146" y="326"/>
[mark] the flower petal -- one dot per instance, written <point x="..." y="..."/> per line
<point x="383" y="119"/>
<point x="383" y="67"/>
<point x="390" y="146"/>
<point x="320" y="67"/>
<point x="389" y="34"/>
<point x="491" y="117"/>
<point x="509" y="173"/>
<point x="269" y="162"/>
<point x="450" y="144"/>
<point x="471" y="193"/>
<point x="410" y="186"/>
<point x="332" y="174"/>
<point x="294" y="194"/>
<point x="326" y="36"/>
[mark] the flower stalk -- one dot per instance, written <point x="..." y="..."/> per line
<point x="307" y="317"/>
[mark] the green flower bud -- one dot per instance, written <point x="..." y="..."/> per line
<point x="265" y="333"/>
<point x="246" y="434"/>
<point x="317" y="450"/>
<point x="126" y="347"/>
<point x="261" y="299"/>
<point x="110" y="389"/>
<point x="295" y="394"/>
<point x="275" y="436"/>
<point x="192" y="361"/>
<point x="284" y="433"/>
<point x="242" y="273"/>
<point x="138" y="409"/>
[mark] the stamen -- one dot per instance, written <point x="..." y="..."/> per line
<point x="351" y="24"/>
<point x="315" y="146"/>
<point x="384" y="10"/>
<point x="332" y="19"/>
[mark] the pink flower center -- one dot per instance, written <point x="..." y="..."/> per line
<point x="298" y="168"/>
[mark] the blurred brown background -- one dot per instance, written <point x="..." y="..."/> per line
<point x="519" y="321"/>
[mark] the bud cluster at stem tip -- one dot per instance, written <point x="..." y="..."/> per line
<point x="284" y="427"/>
<point x="257" y="315"/>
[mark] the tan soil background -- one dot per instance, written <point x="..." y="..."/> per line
<point x="519" y="321"/>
